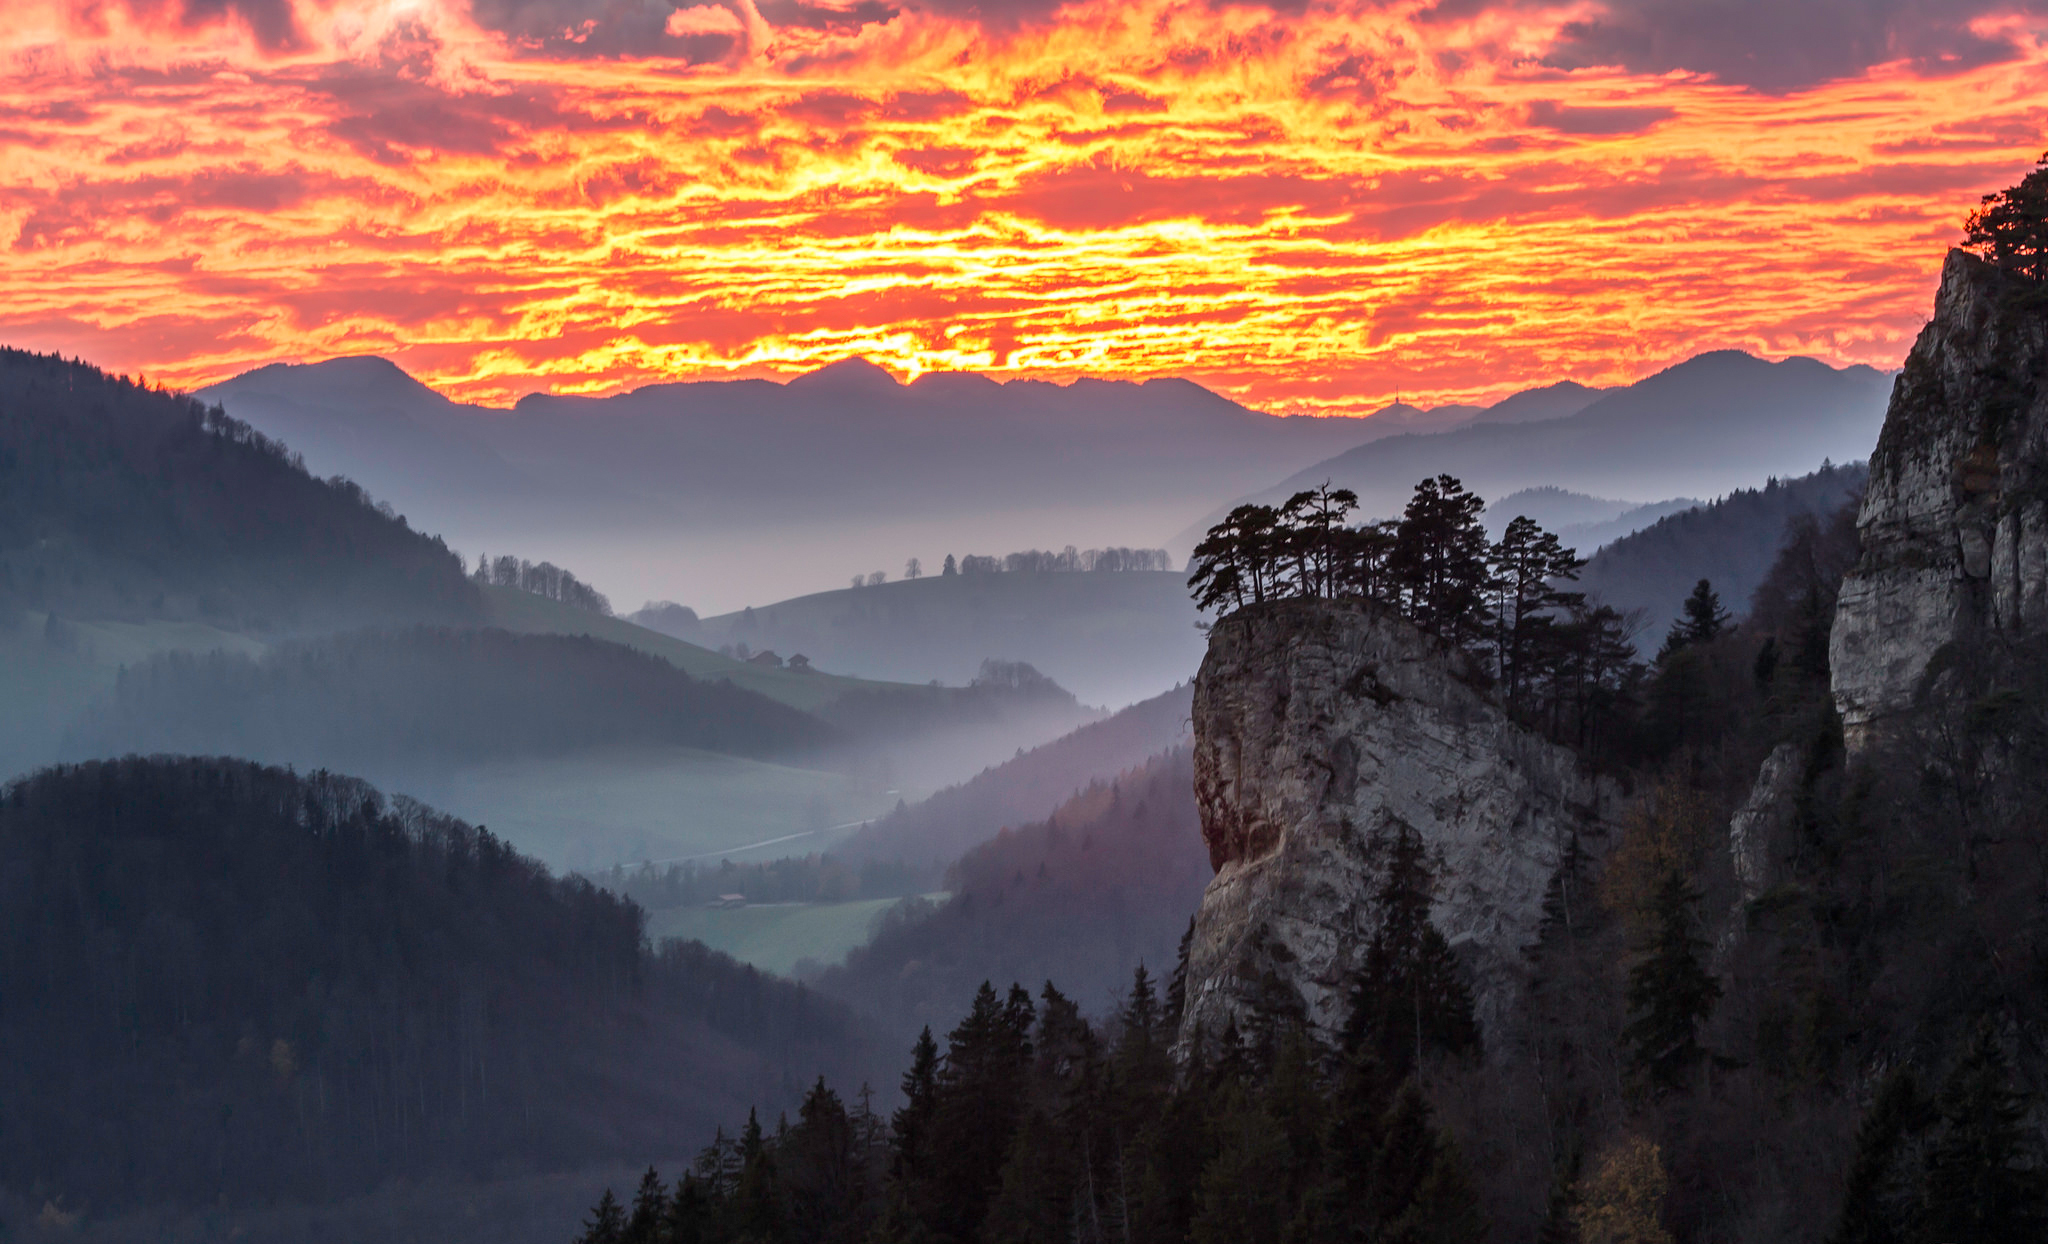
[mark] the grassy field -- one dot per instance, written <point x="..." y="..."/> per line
<point x="626" y="806"/>
<point x="774" y="936"/>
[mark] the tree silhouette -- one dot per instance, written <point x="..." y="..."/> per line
<point x="2010" y="228"/>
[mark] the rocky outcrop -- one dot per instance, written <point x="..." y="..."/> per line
<point x="1318" y="725"/>
<point x="1754" y="830"/>
<point x="1955" y="519"/>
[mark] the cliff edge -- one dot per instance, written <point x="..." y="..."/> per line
<point x="1955" y="519"/>
<point x="1319" y="725"/>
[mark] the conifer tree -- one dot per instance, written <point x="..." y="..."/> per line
<point x="757" y="1199"/>
<point x="1240" y="1200"/>
<point x="1669" y="990"/>
<point x="1409" y="999"/>
<point x="1984" y="1179"/>
<point x="1878" y="1196"/>
<point x="606" y="1224"/>
<point x="650" y="1206"/>
<point x="908" y="1198"/>
<point x="2011" y="227"/>
<point x="692" y="1213"/>
<point x="1702" y="620"/>
<point x="1439" y="559"/>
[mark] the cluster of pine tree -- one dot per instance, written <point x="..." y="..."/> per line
<point x="1035" y="1124"/>
<point x="1562" y="662"/>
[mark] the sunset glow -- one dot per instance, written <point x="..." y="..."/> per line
<point x="1317" y="208"/>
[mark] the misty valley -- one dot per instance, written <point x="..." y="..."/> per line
<point x="1608" y="815"/>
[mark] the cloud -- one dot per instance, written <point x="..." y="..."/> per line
<point x="271" y="23"/>
<point x="583" y="29"/>
<point x="1782" y="46"/>
<point x="1568" y="119"/>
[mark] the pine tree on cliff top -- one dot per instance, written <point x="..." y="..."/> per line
<point x="2011" y="228"/>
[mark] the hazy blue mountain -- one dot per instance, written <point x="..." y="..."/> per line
<point x="723" y="492"/>
<point x="1709" y="425"/>
<point x="1552" y="401"/>
<point x="1731" y="542"/>
<point x="1582" y="522"/>
<point x="940" y="829"/>
<point x="1111" y="638"/>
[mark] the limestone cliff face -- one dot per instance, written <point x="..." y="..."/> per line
<point x="1319" y="724"/>
<point x="1955" y="521"/>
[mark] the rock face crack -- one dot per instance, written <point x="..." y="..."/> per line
<point x="1955" y="520"/>
<point x="1319" y="724"/>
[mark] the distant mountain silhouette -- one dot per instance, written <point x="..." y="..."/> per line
<point x="769" y="490"/>
<point x="1709" y="425"/>
<point x="1552" y="401"/>
<point x="1581" y="522"/>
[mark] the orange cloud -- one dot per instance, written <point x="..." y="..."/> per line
<point x="1310" y="207"/>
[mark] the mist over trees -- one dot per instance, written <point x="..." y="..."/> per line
<point x="432" y="696"/>
<point x="1066" y="561"/>
<point x="545" y="579"/>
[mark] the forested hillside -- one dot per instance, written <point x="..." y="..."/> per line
<point x="429" y="697"/>
<point x="1731" y="542"/>
<point x="935" y="832"/>
<point x="227" y="983"/>
<point x="122" y="502"/>
<point x="1082" y="897"/>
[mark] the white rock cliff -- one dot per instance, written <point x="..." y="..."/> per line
<point x="1317" y="725"/>
<point x="1955" y="520"/>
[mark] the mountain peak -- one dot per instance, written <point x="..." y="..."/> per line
<point x="349" y="378"/>
<point x="848" y="374"/>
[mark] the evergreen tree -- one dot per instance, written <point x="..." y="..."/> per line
<point x="1877" y="1198"/>
<point x="606" y="1224"/>
<point x="909" y="1197"/>
<point x="823" y="1172"/>
<point x="2011" y="227"/>
<point x="1355" y="1127"/>
<point x="650" y="1207"/>
<point x="980" y="1102"/>
<point x="1439" y="560"/>
<point x="757" y="1216"/>
<point x="1984" y="1179"/>
<point x="1701" y="621"/>
<point x="1527" y="563"/>
<point x="692" y="1213"/>
<point x="1669" y="990"/>
<point x="1240" y="1201"/>
<point x="1410" y="999"/>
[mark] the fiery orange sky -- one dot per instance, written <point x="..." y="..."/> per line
<point x="1309" y="206"/>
